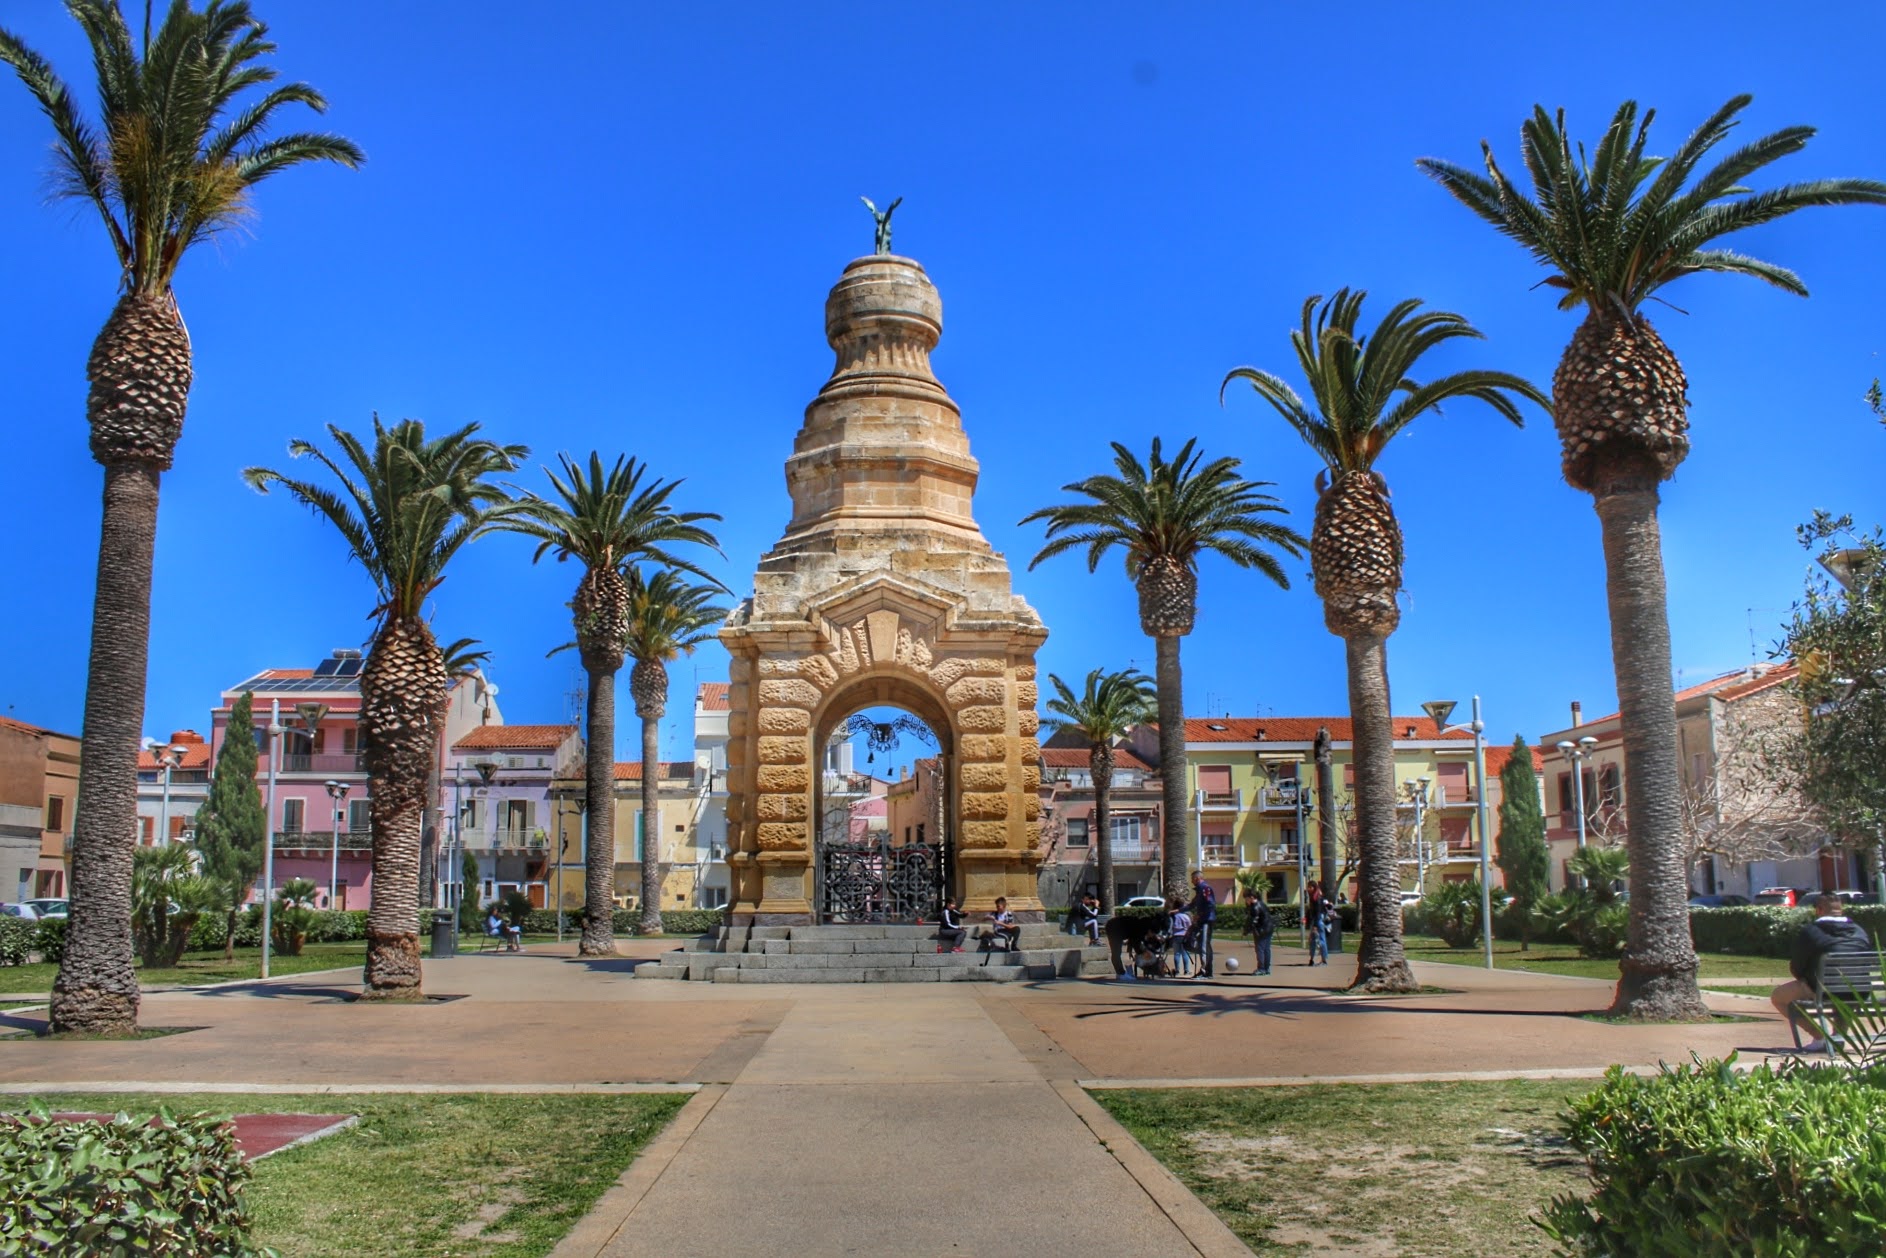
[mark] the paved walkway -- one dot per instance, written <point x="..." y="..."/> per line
<point x="836" y="1119"/>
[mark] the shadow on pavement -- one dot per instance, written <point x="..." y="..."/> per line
<point x="1288" y="1002"/>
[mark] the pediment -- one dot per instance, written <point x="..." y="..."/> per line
<point x="925" y="610"/>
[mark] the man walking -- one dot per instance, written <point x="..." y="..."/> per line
<point x="1829" y="932"/>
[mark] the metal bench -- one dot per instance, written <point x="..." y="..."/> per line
<point x="1843" y="981"/>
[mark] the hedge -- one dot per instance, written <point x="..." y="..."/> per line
<point x="127" y="1186"/>
<point x="629" y="921"/>
<point x="17" y="937"/>
<point x="1708" y="1162"/>
<point x="1765" y="930"/>
<point x="325" y="926"/>
<point x="49" y="940"/>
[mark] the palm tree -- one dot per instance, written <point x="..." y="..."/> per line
<point x="1612" y="231"/>
<point x="1365" y="395"/>
<point x="405" y="507"/>
<point x="667" y="618"/>
<point x="166" y="166"/>
<point x="1104" y="712"/>
<point x="1164" y="515"/>
<point x="608" y="522"/>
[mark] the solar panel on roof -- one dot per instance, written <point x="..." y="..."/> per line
<point x="327" y="668"/>
<point x="348" y="667"/>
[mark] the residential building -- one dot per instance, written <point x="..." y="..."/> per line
<point x="678" y="807"/>
<point x="39" y="789"/>
<point x="173" y="782"/>
<point x="711" y="711"/>
<point x="1742" y="831"/>
<point x="1070" y="849"/>
<point x="1251" y="783"/>
<point x="318" y="818"/>
<point x="909" y="804"/>
<point x="522" y="831"/>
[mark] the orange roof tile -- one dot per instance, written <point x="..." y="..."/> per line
<point x="1301" y="729"/>
<point x="715" y="696"/>
<point x="535" y="737"/>
<point x="195" y="756"/>
<point x="284" y="674"/>
<point x="1499" y="754"/>
<point x="9" y="723"/>
<point x="631" y="770"/>
<point x="1077" y="758"/>
<point x="1732" y="685"/>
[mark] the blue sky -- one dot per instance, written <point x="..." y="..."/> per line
<point x="617" y="230"/>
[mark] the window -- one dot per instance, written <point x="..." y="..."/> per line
<point x="713" y="897"/>
<point x="1567" y="800"/>
<point x="359" y="818"/>
<point x="348" y="736"/>
<point x="638" y="835"/>
<point x="1349" y="776"/>
<point x="1214" y="779"/>
<point x="294" y="813"/>
<point x="1289" y="836"/>
<point x="920" y="832"/>
<point x="55" y="813"/>
<point x="1123" y="829"/>
<point x="1610" y="787"/>
<point x="1077" y="832"/>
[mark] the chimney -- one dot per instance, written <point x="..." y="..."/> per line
<point x="1578" y="714"/>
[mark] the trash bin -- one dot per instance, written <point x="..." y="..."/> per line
<point x="444" y="944"/>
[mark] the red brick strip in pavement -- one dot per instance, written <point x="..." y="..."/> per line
<point x="258" y="1135"/>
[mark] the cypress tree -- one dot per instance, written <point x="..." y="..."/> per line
<point x="230" y="826"/>
<point x="1521" y="850"/>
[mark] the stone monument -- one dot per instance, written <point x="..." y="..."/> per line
<point x="882" y="591"/>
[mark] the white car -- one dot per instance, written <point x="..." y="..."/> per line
<point x="23" y="911"/>
<point x="1143" y="902"/>
<point x="47" y="907"/>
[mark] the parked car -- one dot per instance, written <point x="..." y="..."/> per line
<point x="1143" y="902"/>
<point x="1856" y="897"/>
<point x="1783" y="896"/>
<point x="47" y="907"/>
<point x="1718" y="901"/>
<point x="1410" y="898"/>
<point x="24" y="911"/>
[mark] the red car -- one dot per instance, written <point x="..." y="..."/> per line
<point x="1784" y="896"/>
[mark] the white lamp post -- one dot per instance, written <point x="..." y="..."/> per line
<point x="1420" y="794"/>
<point x="268" y="830"/>
<point x="336" y="791"/>
<point x="1438" y="711"/>
<point x="169" y="755"/>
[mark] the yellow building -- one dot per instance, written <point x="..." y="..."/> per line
<point x="1246" y="810"/>
<point x="678" y="806"/>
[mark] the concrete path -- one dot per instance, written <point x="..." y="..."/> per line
<point x="898" y="1120"/>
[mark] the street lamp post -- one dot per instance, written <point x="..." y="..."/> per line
<point x="1303" y="811"/>
<point x="268" y="830"/>
<point x="1486" y="843"/>
<point x="336" y="791"/>
<point x="488" y="769"/>
<point x="1420" y="794"/>
<point x="169" y="755"/>
<point x="1576" y="753"/>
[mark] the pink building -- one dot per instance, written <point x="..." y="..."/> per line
<point x="318" y="822"/>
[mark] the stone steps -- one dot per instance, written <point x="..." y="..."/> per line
<point x="870" y="954"/>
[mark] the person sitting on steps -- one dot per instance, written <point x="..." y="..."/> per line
<point x="1002" y="927"/>
<point x="949" y="936"/>
<point x="1083" y="917"/>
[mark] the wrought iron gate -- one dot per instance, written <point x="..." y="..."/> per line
<point x="873" y="881"/>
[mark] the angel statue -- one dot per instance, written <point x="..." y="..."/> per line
<point x="883" y="220"/>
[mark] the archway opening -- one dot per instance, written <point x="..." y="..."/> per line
<point x="882" y="807"/>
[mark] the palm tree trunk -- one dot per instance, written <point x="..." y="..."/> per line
<point x="1658" y="971"/>
<point x="652" y="870"/>
<point x="1100" y="763"/>
<point x="1172" y="775"/>
<point x="599" y="811"/>
<point x="97" y="988"/>
<point x="1381" y="964"/>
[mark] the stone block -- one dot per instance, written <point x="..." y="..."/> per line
<point x="1031" y="807"/>
<point x="976" y="690"/>
<point x="783" y="749"/>
<point x="1025" y="672"/>
<point x="789" y="693"/>
<point x="985" y="666"/>
<point x="1031" y="777"/>
<point x="984" y="777"/>
<point x="784" y="777"/>
<point x="819" y="670"/>
<point x="785" y="721"/>
<point x="985" y="833"/>
<point x="1028" y="722"/>
<point x="782" y="807"/>
<point x="984" y="805"/>
<point x="777" y="836"/>
<point x="946" y="673"/>
<point x="1026" y="694"/>
<point x="983" y="720"/>
<point x="984" y="747"/>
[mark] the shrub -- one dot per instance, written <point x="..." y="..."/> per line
<point x="49" y="940"/>
<point x="691" y="921"/>
<point x="1603" y="931"/>
<point x="1702" y="1160"/>
<point x="1453" y="912"/>
<point x="123" y="1187"/>
<point x="16" y="940"/>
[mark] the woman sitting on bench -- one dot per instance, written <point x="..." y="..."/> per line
<point x="501" y="930"/>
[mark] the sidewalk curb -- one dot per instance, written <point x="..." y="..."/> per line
<point x="1202" y="1229"/>
<point x="596" y="1231"/>
<point x="340" y="1089"/>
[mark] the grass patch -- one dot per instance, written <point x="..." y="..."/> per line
<point x="420" y="1176"/>
<point x="1613" y="1020"/>
<point x="142" y="1033"/>
<point x="1427" y="1170"/>
<point x="1544" y="958"/>
<point x="203" y="967"/>
<point x="1741" y="989"/>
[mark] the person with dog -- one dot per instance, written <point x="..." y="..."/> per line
<point x="1132" y="933"/>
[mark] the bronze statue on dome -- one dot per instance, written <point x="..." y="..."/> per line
<point x="883" y="220"/>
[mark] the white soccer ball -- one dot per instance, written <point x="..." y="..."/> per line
<point x="1231" y="965"/>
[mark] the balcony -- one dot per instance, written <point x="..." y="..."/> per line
<point x="1274" y="854"/>
<point x="1220" y="857"/>
<point x="526" y="839"/>
<point x="1220" y="801"/>
<point x="1277" y="798"/>
<point x="1135" y="851"/>
<point x="1454" y="796"/>
<point x="351" y="762"/>
<point x="322" y="840"/>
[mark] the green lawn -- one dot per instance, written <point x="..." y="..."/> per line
<point x="1430" y="1170"/>
<point x="203" y="967"/>
<point x="431" y="1176"/>
<point x="1564" y="959"/>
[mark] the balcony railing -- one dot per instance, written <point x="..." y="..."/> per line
<point x="323" y="840"/>
<point x="1278" y="854"/>
<point x="1220" y="856"/>
<point x="1135" y="851"/>
<point x="1215" y="801"/>
<point x="528" y="839"/>
<point x="351" y="762"/>
<point x="1277" y="798"/>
